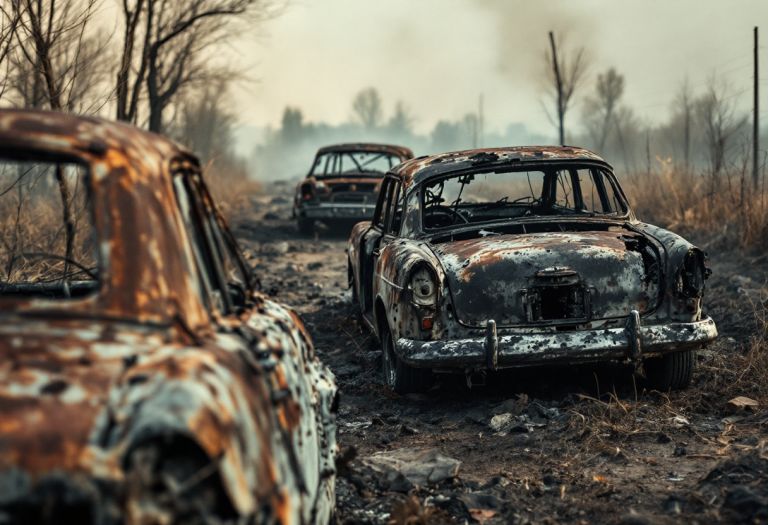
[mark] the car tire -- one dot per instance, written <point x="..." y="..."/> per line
<point x="306" y="226"/>
<point x="400" y="377"/>
<point x="670" y="371"/>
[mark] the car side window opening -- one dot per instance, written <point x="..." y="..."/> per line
<point x="395" y="210"/>
<point x="214" y="290"/>
<point x="49" y="245"/>
<point x="380" y="214"/>
<point x="224" y="246"/>
<point x="490" y="196"/>
<point x="336" y="163"/>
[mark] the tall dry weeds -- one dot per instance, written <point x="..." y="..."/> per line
<point x="230" y="185"/>
<point x="720" y="208"/>
<point x="33" y="237"/>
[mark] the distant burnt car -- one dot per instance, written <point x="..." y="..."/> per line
<point x="511" y="257"/>
<point x="143" y="379"/>
<point x="344" y="183"/>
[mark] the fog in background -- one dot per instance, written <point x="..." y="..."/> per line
<point x="430" y="61"/>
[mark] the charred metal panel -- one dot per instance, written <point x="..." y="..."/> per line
<point x="557" y="288"/>
<point x="505" y="278"/>
<point x="98" y="396"/>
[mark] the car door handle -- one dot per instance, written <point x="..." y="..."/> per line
<point x="376" y="252"/>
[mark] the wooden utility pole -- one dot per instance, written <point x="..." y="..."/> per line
<point x="559" y="82"/>
<point x="756" y="122"/>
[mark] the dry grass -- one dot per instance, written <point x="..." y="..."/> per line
<point x="33" y="235"/>
<point x="600" y="426"/>
<point x="230" y="185"/>
<point x="722" y="208"/>
<point x="734" y="370"/>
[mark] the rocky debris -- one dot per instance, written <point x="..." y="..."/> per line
<point x="314" y="265"/>
<point x="417" y="467"/>
<point x="738" y="486"/>
<point x="739" y="404"/>
<point x="740" y="280"/>
<point x="501" y="421"/>
<point x="533" y="415"/>
<point x="512" y="406"/>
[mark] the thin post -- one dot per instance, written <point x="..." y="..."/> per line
<point x="756" y="123"/>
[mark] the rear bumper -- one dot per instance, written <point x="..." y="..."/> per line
<point x="331" y="210"/>
<point x="633" y="342"/>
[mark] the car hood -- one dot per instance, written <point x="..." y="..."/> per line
<point x="549" y="278"/>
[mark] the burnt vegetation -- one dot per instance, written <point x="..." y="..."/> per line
<point x="584" y="445"/>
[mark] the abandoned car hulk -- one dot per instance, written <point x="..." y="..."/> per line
<point x="344" y="183"/>
<point x="143" y="379"/>
<point x="498" y="258"/>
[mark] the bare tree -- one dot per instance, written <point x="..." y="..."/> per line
<point x="62" y="59"/>
<point x="367" y="108"/>
<point x="206" y="123"/>
<point x="58" y="61"/>
<point x="8" y="22"/>
<point x="683" y="109"/>
<point x="599" y="109"/>
<point x="401" y="122"/>
<point x="167" y="47"/>
<point x="566" y="71"/>
<point x="718" y="118"/>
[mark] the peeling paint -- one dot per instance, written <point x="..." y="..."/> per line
<point x="557" y="288"/>
<point x="105" y="399"/>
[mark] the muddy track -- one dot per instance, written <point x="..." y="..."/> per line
<point x="594" y="448"/>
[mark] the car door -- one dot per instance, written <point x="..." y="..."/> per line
<point x="277" y="351"/>
<point x="369" y="247"/>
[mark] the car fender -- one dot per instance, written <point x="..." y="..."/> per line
<point x="391" y="280"/>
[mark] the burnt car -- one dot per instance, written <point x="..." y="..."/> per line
<point x="344" y="183"/>
<point x="143" y="378"/>
<point x="512" y="257"/>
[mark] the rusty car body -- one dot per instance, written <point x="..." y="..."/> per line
<point x="152" y="384"/>
<point x="343" y="183"/>
<point x="498" y="258"/>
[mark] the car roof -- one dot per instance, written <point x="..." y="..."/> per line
<point x="416" y="171"/>
<point x="134" y="209"/>
<point x="55" y="131"/>
<point x="400" y="151"/>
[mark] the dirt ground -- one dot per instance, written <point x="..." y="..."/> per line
<point x="593" y="446"/>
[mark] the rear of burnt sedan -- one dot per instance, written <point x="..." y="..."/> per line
<point x="517" y="258"/>
<point x="343" y="183"/>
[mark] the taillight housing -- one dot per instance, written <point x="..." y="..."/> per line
<point x="307" y="192"/>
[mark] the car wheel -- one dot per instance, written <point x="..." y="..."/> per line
<point x="400" y="377"/>
<point x="306" y="226"/>
<point x="670" y="371"/>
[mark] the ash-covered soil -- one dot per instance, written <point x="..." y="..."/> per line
<point x="577" y="445"/>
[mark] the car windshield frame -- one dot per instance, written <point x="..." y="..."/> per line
<point x="331" y="164"/>
<point x="548" y="170"/>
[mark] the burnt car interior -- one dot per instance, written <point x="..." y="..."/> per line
<point x="486" y="197"/>
<point x="337" y="163"/>
<point x="48" y="244"/>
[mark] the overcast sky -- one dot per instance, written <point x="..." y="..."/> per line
<point x="438" y="56"/>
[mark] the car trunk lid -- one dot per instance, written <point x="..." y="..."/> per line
<point x="549" y="278"/>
